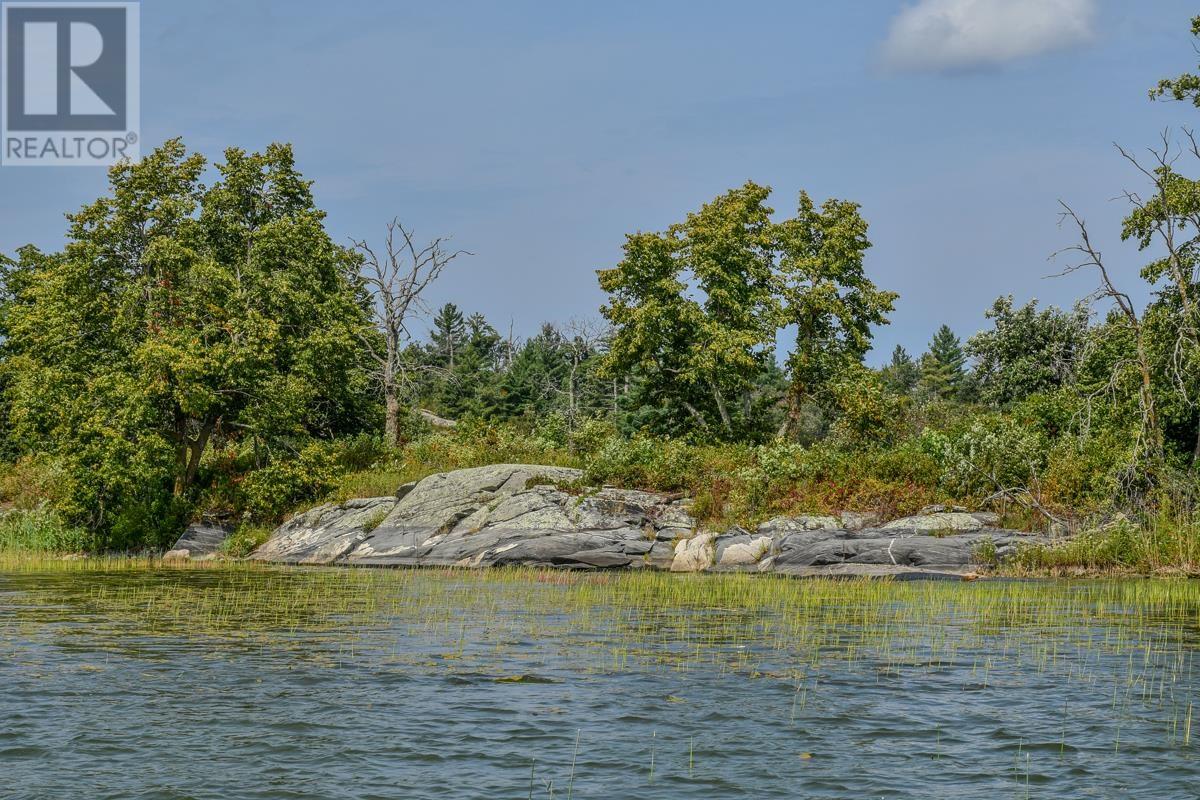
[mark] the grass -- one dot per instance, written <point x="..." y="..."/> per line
<point x="41" y="531"/>
<point x="1163" y="546"/>
<point x="244" y="540"/>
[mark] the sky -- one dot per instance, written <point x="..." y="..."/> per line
<point x="538" y="134"/>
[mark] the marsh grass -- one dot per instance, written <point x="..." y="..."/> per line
<point x="1163" y="545"/>
<point x="1127" y="645"/>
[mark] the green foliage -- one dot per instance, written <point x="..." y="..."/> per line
<point x="643" y="462"/>
<point x="246" y="539"/>
<point x="1026" y="351"/>
<point x="942" y="366"/>
<point x="991" y="454"/>
<point x="868" y="414"/>
<point x="826" y="294"/>
<point x="179" y="315"/>
<point x="41" y="531"/>
<point x="902" y="373"/>
<point x="1184" y="87"/>
<point x="313" y="472"/>
<point x="696" y="311"/>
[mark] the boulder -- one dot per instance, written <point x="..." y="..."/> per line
<point x="694" y="554"/>
<point x="201" y="539"/>
<point x="857" y="520"/>
<point x="737" y="548"/>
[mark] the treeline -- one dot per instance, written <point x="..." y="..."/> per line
<point x="202" y="347"/>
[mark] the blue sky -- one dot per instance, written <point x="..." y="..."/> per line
<point x="538" y="134"/>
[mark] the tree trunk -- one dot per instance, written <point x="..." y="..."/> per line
<point x="724" y="412"/>
<point x="391" y="416"/>
<point x="1149" y="411"/>
<point x="187" y="459"/>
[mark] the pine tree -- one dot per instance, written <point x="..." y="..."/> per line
<point x="448" y="336"/>
<point x="942" y="367"/>
<point x="902" y="374"/>
<point x="468" y="390"/>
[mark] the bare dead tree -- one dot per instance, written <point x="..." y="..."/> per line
<point x="396" y="278"/>
<point x="1087" y="256"/>
<point x="583" y="340"/>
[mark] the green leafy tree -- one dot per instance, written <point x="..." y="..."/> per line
<point x="469" y="388"/>
<point x="1026" y="351"/>
<point x="178" y="314"/>
<point x="696" y="310"/>
<point x="1184" y="87"/>
<point x="826" y="294"/>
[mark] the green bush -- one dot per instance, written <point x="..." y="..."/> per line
<point x="644" y="462"/>
<point x="247" y="538"/>
<point x="993" y="452"/>
<point x="41" y="531"/>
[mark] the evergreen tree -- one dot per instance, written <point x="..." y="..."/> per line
<point x="468" y="388"/>
<point x="942" y="370"/>
<point x="448" y="336"/>
<point x="902" y="374"/>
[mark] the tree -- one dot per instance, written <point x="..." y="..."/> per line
<point x="1184" y="87"/>
<point x="902" y="373"/>
<point x="826" y="295"/>
<point x="448" y="335"/>
<point x="1126" y="322"/>
<point x="176" y="315"/>
<point x="655" y="329"/>
<point x="395" y="279"/>
<point x="942" y="366"/>
<point x="1027" y="351"/>
<point x="469" y="388"/>
<point x="696" y="310"/>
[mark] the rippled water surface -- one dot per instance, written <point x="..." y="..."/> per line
<point x="120" y="681"/>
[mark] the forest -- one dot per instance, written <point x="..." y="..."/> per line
<point x="202" y="349"/>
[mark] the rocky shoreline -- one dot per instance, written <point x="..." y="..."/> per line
<point x="520" y="514"/>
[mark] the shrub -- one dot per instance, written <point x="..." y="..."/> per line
<point x="42" y="531"/>
<point x="644" y="462"/>
<point x="246" y="539"/>
<point x="991" y="453"/>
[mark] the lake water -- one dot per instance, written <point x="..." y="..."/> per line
<point x="122" y="681"/>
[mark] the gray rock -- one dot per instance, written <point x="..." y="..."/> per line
<point x="522" y="514"/>
<point x="891" y="547"/>
<point x="857" y="520"/>
<point x="737" y="548"/>
<point x="938" y="521"/>
<point x="200" y="539"/>
<point x="802" y="522"/>
<point x="324" y="534"/>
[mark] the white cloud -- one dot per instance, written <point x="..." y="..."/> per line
<point x="945" y="35"/>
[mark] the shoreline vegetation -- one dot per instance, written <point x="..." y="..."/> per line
<point x="201" y="349"/>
